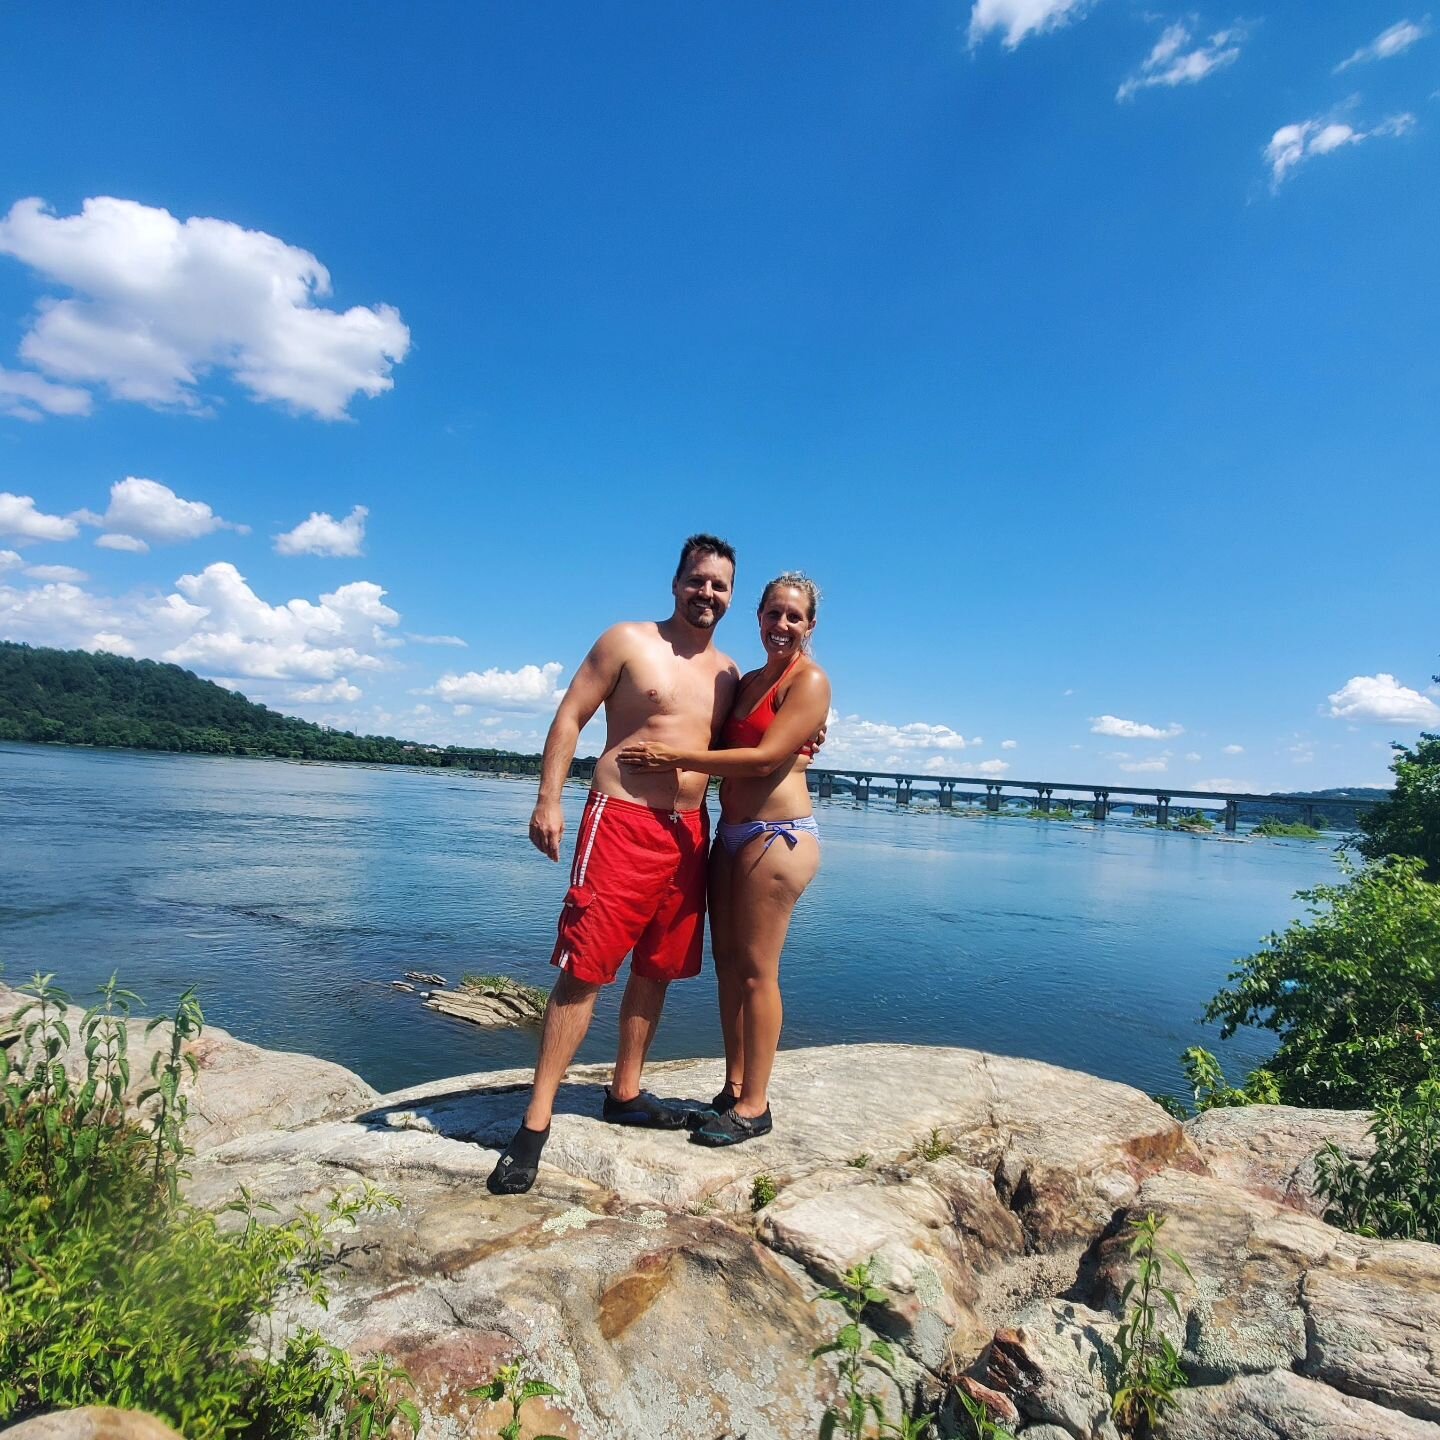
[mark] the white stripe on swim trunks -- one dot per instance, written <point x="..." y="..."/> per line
<point x="594" y="829"/>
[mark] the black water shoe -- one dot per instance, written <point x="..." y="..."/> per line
<point x="727" y="1099"/>
<point x="729" y="1127"/>
<point x="645" y="1109"/>
<point x="519" y="1161"/>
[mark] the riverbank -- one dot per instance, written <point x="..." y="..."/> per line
<point x="640" y="1278"/>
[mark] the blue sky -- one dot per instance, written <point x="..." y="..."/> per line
<point x="1087" y="354"/>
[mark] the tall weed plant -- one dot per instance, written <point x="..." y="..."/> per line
<point x="116" y="1291"/>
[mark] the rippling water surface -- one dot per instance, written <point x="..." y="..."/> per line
<point x="291" y="894"/>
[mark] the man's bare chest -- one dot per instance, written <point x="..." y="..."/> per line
<point x="670" y="687"/>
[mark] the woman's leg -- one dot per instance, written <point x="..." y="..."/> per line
<point x="722" y="947"/>
<point x="765" y="883"/>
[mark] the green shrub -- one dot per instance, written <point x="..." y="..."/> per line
<point x="1149" y="1371"/>
<point x="513" y="1385"/>
<point x="1353" y="992"/>
<point x="1396" y="1194"/>
<point x="1408" y="823"/>
<point x="763" y="1190"/>
<point x="113" y="1290"/>
<point x="1277" y="829"/>
<point x="1211" y="1091"/>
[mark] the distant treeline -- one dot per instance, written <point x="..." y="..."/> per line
<point x="73" y="697"/>
<point x="1327" y="817"/>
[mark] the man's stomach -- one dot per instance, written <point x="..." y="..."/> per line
<point x="661" y="789"/>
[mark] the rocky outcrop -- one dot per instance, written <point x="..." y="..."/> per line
<point x="236" y="1089"/>
<point x="93" y="1422"/>
<point x="991" y="1195"/>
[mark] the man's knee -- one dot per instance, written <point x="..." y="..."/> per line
<point x="567" y="990"/>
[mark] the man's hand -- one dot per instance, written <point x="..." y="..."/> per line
<point x="647" y="755"/>
<point x="547" y="828"/>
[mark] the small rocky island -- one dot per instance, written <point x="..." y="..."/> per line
<point x="993" y="1195"/>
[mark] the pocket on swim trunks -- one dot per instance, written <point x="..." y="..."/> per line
<point x="578" y="899"/>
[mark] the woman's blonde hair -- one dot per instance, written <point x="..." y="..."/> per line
<point x="794" y="580"/>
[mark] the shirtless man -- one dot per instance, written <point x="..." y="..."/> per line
<point x="638" y="878"/>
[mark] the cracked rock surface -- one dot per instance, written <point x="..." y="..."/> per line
<point x="992" y="1194"/>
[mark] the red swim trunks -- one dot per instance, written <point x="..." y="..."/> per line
<point x="637" y="884"/>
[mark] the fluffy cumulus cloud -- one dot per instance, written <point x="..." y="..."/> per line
<point x="1232" y="749"/>
<point x="1292" y="145"/>
<point x="1132" y="729"/>
<point x="1177" y="59"/>
<point x="1008" y="744"/>
<point x="323" y="534"/>
<point x="531" y="687"/>
<point x="1017" y="19"/>
<point x="133" y="543"/>
<point x="917" y="746"/>
<point x="1388" y="43"/>
<point x="10" y="560"/>
<point x="21" y="519"/>
<point x="145" y="510"/>
<point x="340" y="689"/>
<point x="156" y="304"/>
<point x="1382" y="700"/>
<point x="56" y="572"/>
<point x="212" y="622"/>
<point x="28" y="396"/>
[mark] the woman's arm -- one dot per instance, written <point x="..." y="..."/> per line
<point x="801" y="714"/>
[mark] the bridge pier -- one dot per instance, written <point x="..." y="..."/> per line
<point x="1232" y="814"/>
<point x="992" y="798"/>
<point x="1309" y="814"/>
<point x="1162" y="809"/>
<point x="862" y="789"/>
<point x="902" y="791"/>
<point x="1102" y="805"/>
<point x="947" y="794"/>
<point x="827" y="786"/>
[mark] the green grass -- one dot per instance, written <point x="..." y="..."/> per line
<point x="532" y="995"/>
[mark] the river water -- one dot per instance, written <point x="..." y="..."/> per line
<point x="291" y="895"/>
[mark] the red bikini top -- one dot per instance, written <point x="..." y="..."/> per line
<point x="744" y="732"/>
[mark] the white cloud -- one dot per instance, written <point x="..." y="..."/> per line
<point x="1194" y="756"/>
<point x="852" y="740"/>
<point x="212" y="622"/>
<point x="322" y="534"/>
<point x="28" y="396"/>
<point x="9" y="559"/>
<point x="1131" y="729"/>
<point x="991" y="767"/>
<point x="1143" y="767"/>
<point x="1225" y="786"/>
<point x="158" y="303"/>
<point x="531" y="687"/>
<point x="1232" y="749"/>
<point x="1382" y="700"/>
<point x="1175" y="61"/>
<point x="146" y="508"/>
<point x="55" y="572"/>
<point x="1008" y="744"/>
<point x="20" y="518"/>
<point x="1292" y="145"/>
<point x="437" y="640"/>
<point x="1388" y="43"/>
<point x="340" y="689"/>
<point x="1020" y="18"/>
<point x="122" y="542"/>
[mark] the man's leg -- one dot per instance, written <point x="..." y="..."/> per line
<point x="640" y="1009"/>
<point x="567" y="1017"/>
<point x="568" y="1013"/>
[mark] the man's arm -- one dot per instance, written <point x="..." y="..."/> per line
<point x="593" y="682"/>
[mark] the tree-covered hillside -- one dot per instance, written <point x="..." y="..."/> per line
<point x="74" y="697"/>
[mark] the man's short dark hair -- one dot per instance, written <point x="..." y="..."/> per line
<point x="700" y="545"/>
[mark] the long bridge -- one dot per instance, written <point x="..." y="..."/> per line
<point x="1099" y="798"/>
